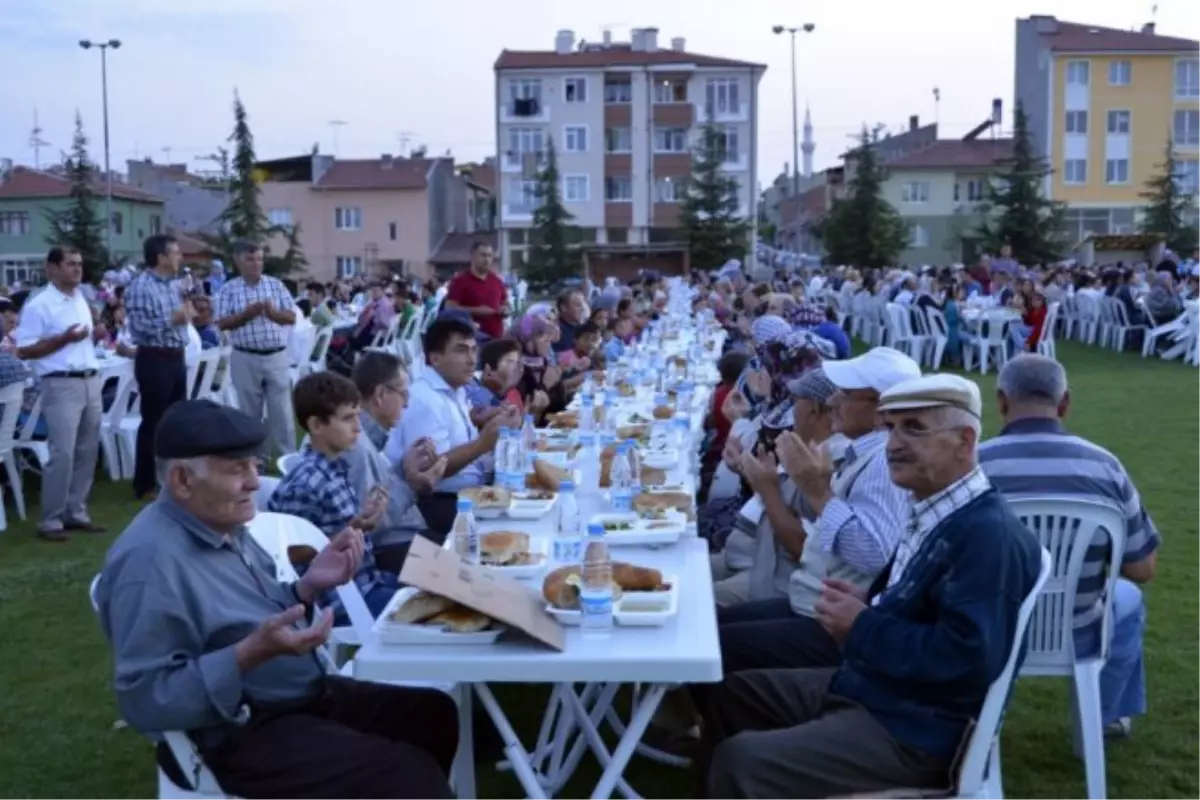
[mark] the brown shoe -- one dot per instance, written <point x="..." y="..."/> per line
<point x="84" y="527"/>
<point x="54" y="536"/>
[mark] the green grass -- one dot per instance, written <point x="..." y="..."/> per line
<point x="58" y="738"/>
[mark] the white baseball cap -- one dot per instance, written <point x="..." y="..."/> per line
<point x="933" y="391"/>
<point x="879" y="368"/>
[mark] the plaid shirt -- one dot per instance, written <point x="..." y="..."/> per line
<point x="259" y="333"/>
<point x="150" y="300"/>
<point x="318" y="489"/>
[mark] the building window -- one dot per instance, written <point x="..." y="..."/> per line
<point x="1078" y="73"/>
<point x="393" y="231"/>
<point x="668" y="190"/>
<point x="517" y="236"/>
<point x="975" y="191"/>
<point x="155" y="224"/>
<point x="618" y="92"/>
<point x="1080" y="222"/>
<point x="118" y="223"/>
<point x="721" y="97"/>
<point x="1120" y="73"/>
<point x="1075" y="170"/>
<point x="1118" y="122"/>
<point x="14" y="223"/>
<point x="618" y="140"/>
<point x="348" y="218"/>
<point x="671" y="91"/>
<point x="1077" y="122"/>
<point x="617" y="235"/>
<point x="918" y="236"/>
<point x="1122" y="221"/>
<point x="618" y="189"/>
<point x="521" y="197"/>
<point x="915" y="192"/>
<point x="280" y="217"/>
<point x="728" y="144"/>
<point x="1187" y="176"/>
<point x="575" y="139"/>
<point x="1187" y="78"/>
<point x="574" y="90"/>
<point x="575" y="188"/>
<point x="525" y="97"/>
<point x="348" y="266"/>
<point x="1187" y="128"/>
<point x="670" y="140"/>
<point x="522" y="142"/>
<point x="1116" y="170"/>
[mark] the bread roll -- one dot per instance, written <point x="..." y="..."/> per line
<point x="548" y="475"/>
<point x="636" y="579"/>
<point x="503" y="547"/>
<point x="461" y="619"/>
<point x="558" y="588"/>
<point x="421" y="607"/>
<point x="664" y="412"/>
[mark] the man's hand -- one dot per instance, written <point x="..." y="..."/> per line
<point x="278" y="635"/>
<point x="374" y="507"/>
<point x="99" y="332"/>
<point x="809" y="465"/>
<point x="481" y="414"/>
<point x="732" y="454"/>
<point x="837" y="609"/>
<point x="511" y="416"/>
<point x="334" y="565"/>
<point x="539" y="402"/>
<point x="490" y="432"/>
<point x="735" y="406"/>
<point x="582" y="364"/>
<point x="255" y="309"/>
<point x="75" y="333"/>
<point x="426" y="480"/>
<point x="760" y="472"/>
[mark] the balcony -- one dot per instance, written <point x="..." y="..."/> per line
<point x="736" y="161"/>
<point x="525" y="110"/>
<point x="722" y="112"/>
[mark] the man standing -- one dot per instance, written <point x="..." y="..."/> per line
<point x="258" y="313"/>
<point x="479" y="291"/>
<point x="55" y="336"/>
<point x="157" y="319"/>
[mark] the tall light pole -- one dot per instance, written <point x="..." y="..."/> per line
<point x="88" y="44"/>
<point x="807" y="27"/>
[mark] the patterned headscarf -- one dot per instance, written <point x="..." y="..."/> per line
<point x="787" y="359"/>
<point x="768" y="328"/>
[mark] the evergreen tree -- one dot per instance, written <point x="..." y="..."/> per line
<point x="709" y="215"/>
<point x="293" y="259"/>
<point x="1170" y="213"/>
<point x="1016" y="212"/>
<point x="80" y="224"/>
<point x="863" y="228"/>
<point x="553" y="254"/>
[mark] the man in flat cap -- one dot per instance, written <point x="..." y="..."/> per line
<point x="207" y="641"/>
<point x="918" y="658"/>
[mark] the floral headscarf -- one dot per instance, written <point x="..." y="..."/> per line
<point x="785" y="360"/>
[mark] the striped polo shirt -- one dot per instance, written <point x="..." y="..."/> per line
<point x="1037" y="456"/>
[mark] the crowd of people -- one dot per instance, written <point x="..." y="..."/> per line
<point x="866" y="568"/>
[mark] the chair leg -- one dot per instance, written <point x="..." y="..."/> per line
<point x="14" y="481"/>
<point x="1088" y="729"/>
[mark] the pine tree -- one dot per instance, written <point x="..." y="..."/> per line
<point x="1170" y="213"/>
<point x="1016" y="212"/>
<point x="709" y="215"/>
<point x="552" y="254"/>
<point x="80" y="224"/>
<point x="863" y="228"/>
<point x="293" y="259"/>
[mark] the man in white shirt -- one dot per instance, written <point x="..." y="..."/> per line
<point x="438" y="411"/>
<point x="55" y="336"/>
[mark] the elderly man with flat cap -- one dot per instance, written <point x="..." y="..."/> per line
<point x="207" y="641"/>
<point x="918" y="658"/>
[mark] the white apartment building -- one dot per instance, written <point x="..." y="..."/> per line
<point x="624" y="118"/>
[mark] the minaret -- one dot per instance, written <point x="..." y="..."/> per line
<point x="809" y="145"/>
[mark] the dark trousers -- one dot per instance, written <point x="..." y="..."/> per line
<point x="439" y="510"/>
<point x="358" y="739"/>
<point x="781" y="733"/>
<point x="161" y="376"/>
<point x="767" y="634"/>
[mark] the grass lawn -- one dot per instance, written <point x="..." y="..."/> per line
<point x="58" y="739"/>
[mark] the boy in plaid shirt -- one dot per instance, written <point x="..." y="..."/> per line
<point x="318" y="488"/>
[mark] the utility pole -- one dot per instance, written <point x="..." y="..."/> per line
<point x="36" y="141"/>
<point x="88" y="44"/>
<point x="807" y="27"/>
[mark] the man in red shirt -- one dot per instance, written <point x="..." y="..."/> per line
<point x="479" y="291"/>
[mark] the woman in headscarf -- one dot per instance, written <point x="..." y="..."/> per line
<point x="535" y="335"/>
<point x="1163" y="301"/>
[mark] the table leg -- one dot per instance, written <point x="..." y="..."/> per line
<point x="462" y="772"/>
<point x="512" y="745"/>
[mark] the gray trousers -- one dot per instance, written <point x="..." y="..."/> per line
<point x="72" y="410"/>
<point x="264" y="382"/>
<point x="780" y="733"/>
<point x="729" y="588"/>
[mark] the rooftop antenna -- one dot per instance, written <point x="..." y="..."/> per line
<point x="404" y="138"/>
<point x="937" y="105"/>
<point x="36" y="141"/>
<point x="167" y="153"/>
<point x="336" y="124"/>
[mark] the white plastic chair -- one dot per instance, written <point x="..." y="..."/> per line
<point x="200" y="373"/>
<point x="1087" y="312"/>
<point x="286" y="462"/>
<point x="1066" y="527"/>
<point x="320" y="350"/>
<point x="939" y="335"/>
<point x="118" y="429"/>
<point x="1046" y="345"/>
<point x="995" y="342"/>
<point x="11" y="397"/>
<point x="38" y="448"/>
<point x="900" y="332"/>
<point x="266" y="487"/>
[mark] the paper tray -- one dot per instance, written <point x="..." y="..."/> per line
<point x="641" y="534"/>
<point x="627" y="618"/>
<point x="394" y="633"/>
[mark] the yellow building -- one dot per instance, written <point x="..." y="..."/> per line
<point x="1102" y="104"/>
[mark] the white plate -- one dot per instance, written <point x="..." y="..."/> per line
<point x="631" y="609"/>
<point x="494" y="512"/>
<point x="394" y="633"/>
<point x="538" y="545"/>
<point x="641" y="533"/>
<point x="564" y="616"/>
<point x="530" y="509"/>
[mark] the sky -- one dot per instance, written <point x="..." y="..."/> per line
<point x="407" y="72"/>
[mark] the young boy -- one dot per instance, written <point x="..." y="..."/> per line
<point x="579" y="358"/>
<point x="318" y="488"/>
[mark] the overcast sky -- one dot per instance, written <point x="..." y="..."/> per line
<point x="422" y="69"/>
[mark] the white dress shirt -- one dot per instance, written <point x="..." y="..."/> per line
<point x="50" y="313"/>
<point x="443" y="415"/>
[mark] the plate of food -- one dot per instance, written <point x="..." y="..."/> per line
<point x="648" y="503"/>
<point x="487" y="502"/>
<point x="419" y="617"/>
<point x="660" y="458"/>
<point x="513" y="553"/>
<point x="649" y="607"/>
<point x="531" y="504"/>
<point x="632" y="529"/>
<point x="561" y="588"/>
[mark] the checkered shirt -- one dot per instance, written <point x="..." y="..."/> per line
<point x="929" y="513"/>
<point x="259" y="333"/>
<point x="318" y="489"/>
<point x="150" y="300"/>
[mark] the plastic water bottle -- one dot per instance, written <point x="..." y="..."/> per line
<point x="681" y="439"/>
<point x="610" y="413"/>
<point x="465" y="533"/>
<point x="588" y="460"/>
<point x="596" y="595"/>
<point x="568" y="539"/>
<point x="683" y="399"/>
<point x="515" y="466"/>
<point x="502" y="458"/>
<point x="635" y="466"/>
<point x="621" y="476"/>
<point x="587" y="412"/>
<point x="528" y="444"/>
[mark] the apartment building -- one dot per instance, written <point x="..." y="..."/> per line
<point x="1102" y="104"/>
<point x="624" y="118"/>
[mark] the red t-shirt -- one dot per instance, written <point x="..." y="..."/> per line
<point x="718" y="421"/>
<point x="468" y="289"/>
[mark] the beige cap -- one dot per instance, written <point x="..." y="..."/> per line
<point x="933" y="391"/>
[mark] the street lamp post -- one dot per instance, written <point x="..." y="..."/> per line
<point x="807" y="27"/>
<point x="88" y="44"/>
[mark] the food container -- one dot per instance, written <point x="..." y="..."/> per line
<point x="629" y="530"/>
<point x="395" y="633"/>
<point x="531" y="504"/>
<point x="539" y="547"/>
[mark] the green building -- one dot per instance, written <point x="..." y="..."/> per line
<point x="28" y="197"/>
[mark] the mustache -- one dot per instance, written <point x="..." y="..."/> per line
<point x="900" y="458"/>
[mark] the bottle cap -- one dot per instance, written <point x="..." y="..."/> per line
<point x="595" y="529"/>
<point x="464" y="504"/>
<point x="566" y="486"/>
<point x="529" y="417"/>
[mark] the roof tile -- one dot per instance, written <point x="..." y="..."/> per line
<point x="956" y="154"/>
<point x="1074" y="37"/>
<point x="24" y="182"/>
<point x="374" y="173"/>
<point x="612" y="56"/>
